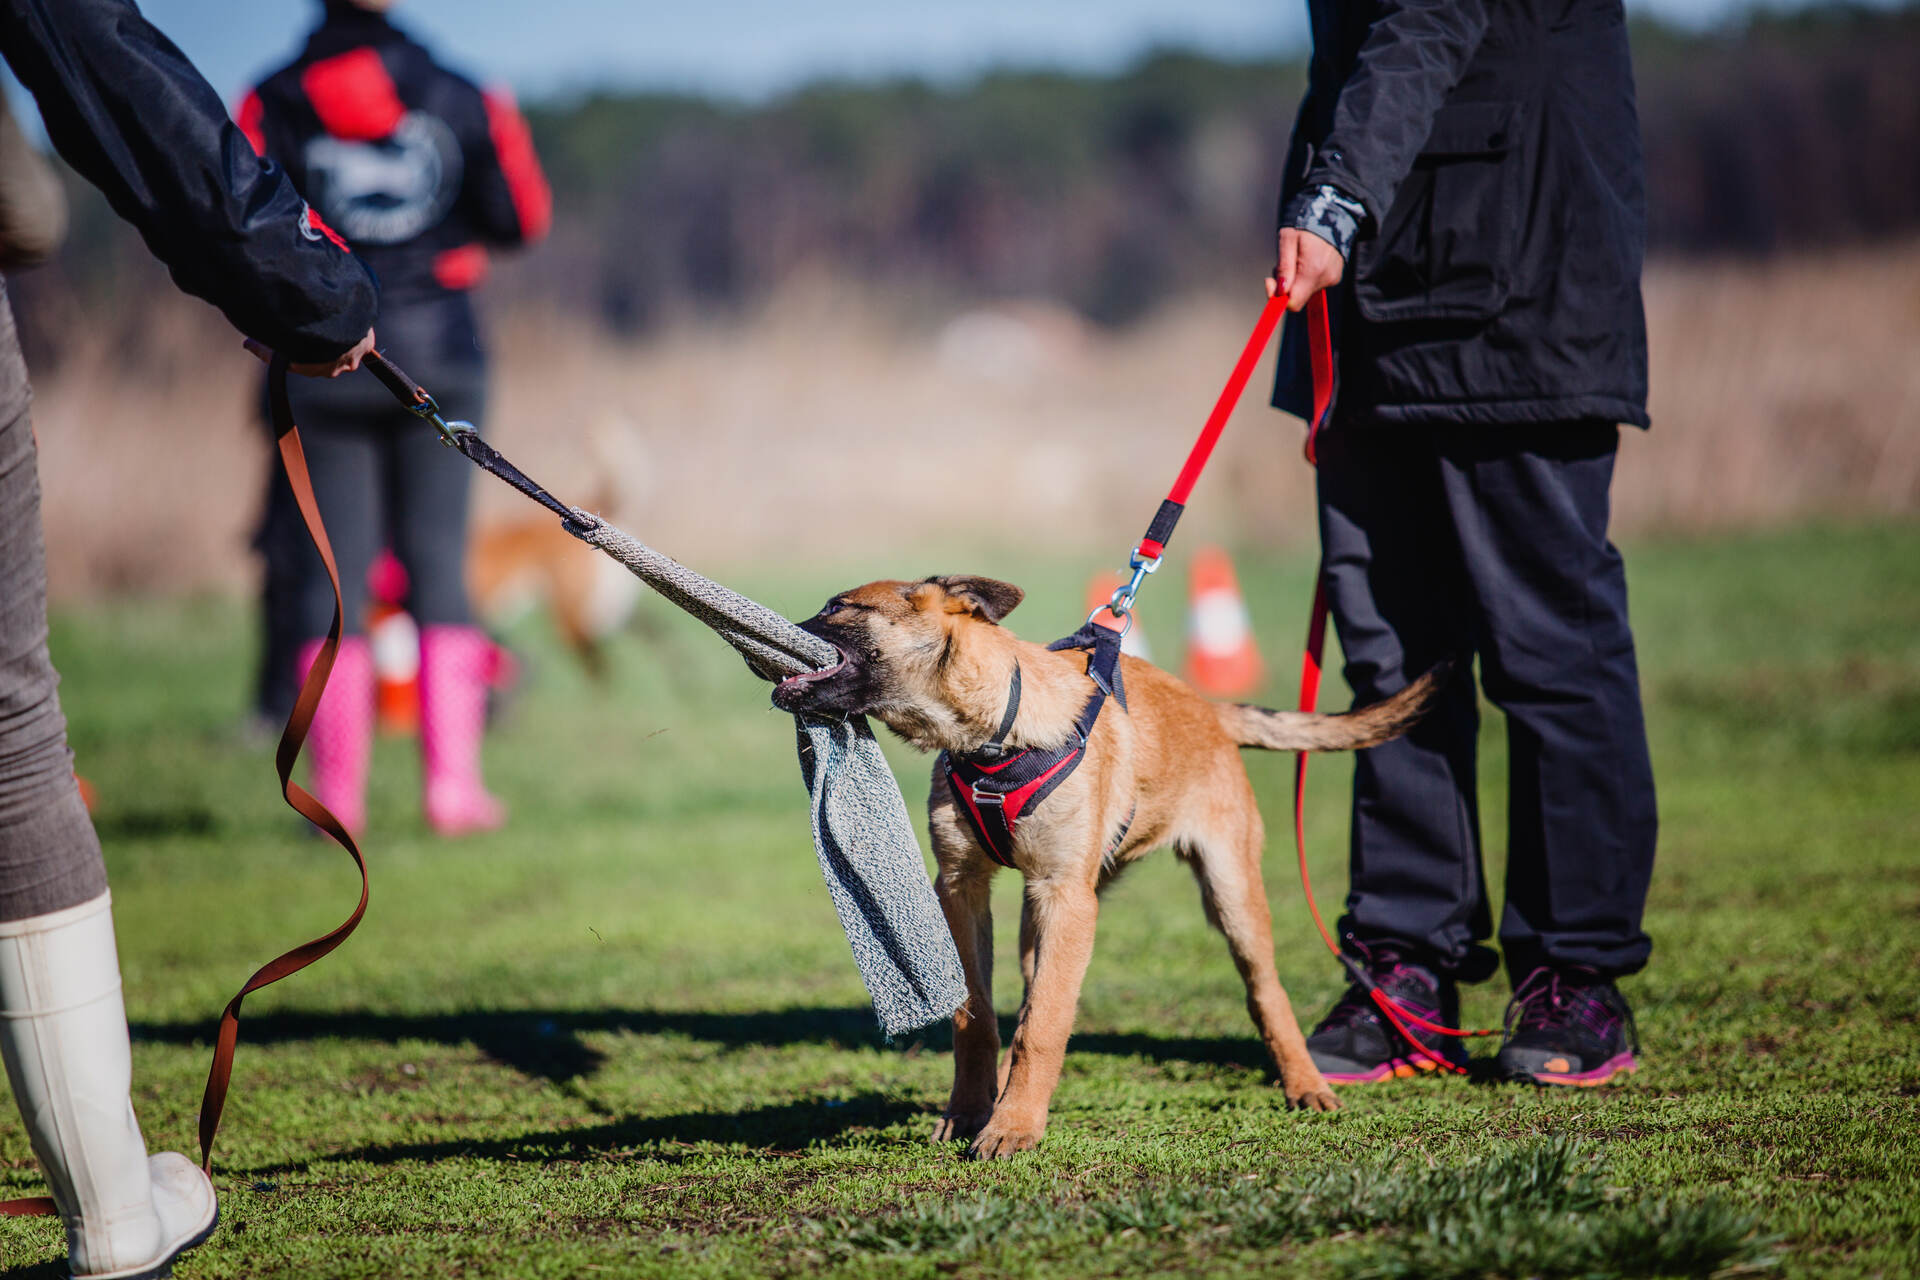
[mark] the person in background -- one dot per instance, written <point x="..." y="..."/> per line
<point x="1466" y="179"/>
<point x="423" y="174"/>
<point x="127" y="110"/>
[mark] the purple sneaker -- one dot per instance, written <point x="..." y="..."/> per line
<point x="1568" y="1027"/>
<point x="1355" y="1044"/>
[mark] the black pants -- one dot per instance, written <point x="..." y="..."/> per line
<point x="1492" y="541"/>
<point x="382" y="478"/>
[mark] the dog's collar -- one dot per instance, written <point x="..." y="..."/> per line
<point x="995" y="748"/>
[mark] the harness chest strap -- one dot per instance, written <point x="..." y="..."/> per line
<point x="994" y="789"/>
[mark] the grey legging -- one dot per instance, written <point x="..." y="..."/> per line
<point x="382" y="477"/>
<point x="49" y="855"/>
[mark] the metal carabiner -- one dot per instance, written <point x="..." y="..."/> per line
<point x="427" y="409"/>
<point x="1121" y="606"/>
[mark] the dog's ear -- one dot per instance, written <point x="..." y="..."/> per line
<point x="987" y="597"/>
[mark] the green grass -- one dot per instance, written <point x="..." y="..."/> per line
<point x="625" y="1037"/>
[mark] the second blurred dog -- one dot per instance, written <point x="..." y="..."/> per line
<point x="521" y="563"/>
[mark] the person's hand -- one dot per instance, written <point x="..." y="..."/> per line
<point x="1307" y="264"/>
<point x="345" y="362"/>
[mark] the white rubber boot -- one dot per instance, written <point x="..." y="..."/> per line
<point x="63" y="1032"/>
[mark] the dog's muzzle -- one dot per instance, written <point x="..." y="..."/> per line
<point x="794" y="688"/>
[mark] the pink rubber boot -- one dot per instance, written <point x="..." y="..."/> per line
<point x="340" y="746"/>
<point x="456" y="665"/>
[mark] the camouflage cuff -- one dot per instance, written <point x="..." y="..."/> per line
<point x="1326" y="213"/>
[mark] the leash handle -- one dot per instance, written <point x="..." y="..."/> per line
<point x="299" y="723"/>
<point x="1325" y="372"/>
<point x="404" y="388"/>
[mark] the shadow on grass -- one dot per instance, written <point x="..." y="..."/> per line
<point x="781" y="1129"/>
<point x="38" y="1271"/>
<point x="547" y="1044"/>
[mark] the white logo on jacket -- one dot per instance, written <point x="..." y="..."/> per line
<point x="389" y="191"/>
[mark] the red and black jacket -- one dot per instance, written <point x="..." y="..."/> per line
<point x="127" y="110"/>
<point x="420" y="171"/>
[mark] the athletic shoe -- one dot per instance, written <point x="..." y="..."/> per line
<point x="1568" y="1027"/>
<point x="1355" y="1044"/>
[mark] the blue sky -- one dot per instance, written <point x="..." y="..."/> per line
<point x="753" y="48"/>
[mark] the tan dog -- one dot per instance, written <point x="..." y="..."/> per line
<point x="520" y="562"/>
<point x="515" y="564"/>
<point x="930" y="660"/>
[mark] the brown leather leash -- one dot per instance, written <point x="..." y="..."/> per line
<point x="29" y="1207"/>
<point x="292" y="738"/>
<point x="214" y="1101"/>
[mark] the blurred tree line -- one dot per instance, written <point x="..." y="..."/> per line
<point x="1110" y="194"/>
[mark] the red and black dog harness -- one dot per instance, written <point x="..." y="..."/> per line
<point x="996" y="786"/>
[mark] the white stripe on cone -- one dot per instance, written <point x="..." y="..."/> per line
<point x="1220" y="625"/>
<point x="396" y="647"/>
<point x="1221" y="657"/>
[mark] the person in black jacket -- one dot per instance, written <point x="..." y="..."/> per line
<point x="1466" y="180"/>
<point x="127" y="110"/>
<point x="423" y="174"/>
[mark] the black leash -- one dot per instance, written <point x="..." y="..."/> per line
<point x="418" y="401"/>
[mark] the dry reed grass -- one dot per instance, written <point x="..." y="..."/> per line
<point x="831" y="425"/>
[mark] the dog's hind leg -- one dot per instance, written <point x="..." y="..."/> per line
<point x="963" y="884"/>
<point x="1064" y="915"/>
<point x="1228" y="869"/>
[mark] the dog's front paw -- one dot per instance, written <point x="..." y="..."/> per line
<point x="1004" y="1141"/>
<point x="960" y="1128"/>
<point x="1316" y="1097"/>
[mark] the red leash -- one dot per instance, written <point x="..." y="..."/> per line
<point x="1320" y="347"/>
<point x="1153" y="545"/>
<point x="1148" y="553"/>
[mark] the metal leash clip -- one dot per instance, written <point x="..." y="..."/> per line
<point x="427" y="409"/>
<point x="415" y="399"/>
<point x="1121" y="605"/>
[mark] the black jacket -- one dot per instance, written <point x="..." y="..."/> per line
<point x="1495" y="148"/>
<point x="126" y="109"/>
<point x="419" y="169"/>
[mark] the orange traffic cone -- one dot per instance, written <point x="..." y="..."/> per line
<point x="1221" y="659"/>
<point x="395" y="640"/>
<point x="1100" y="589"/>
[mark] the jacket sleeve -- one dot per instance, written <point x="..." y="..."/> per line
<point x="512" y="204"/>
<point x="1413" y="55"/>
<point x="1299" y="150"/>
<point x="126" y="109"/>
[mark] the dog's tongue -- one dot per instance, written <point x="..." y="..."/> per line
<point x="808" y="677"/>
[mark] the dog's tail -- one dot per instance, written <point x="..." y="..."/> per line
<point x="1252" y="726"/>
